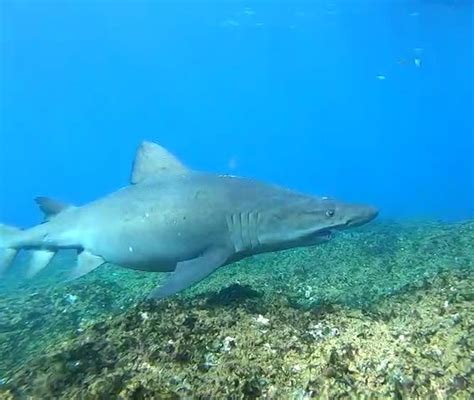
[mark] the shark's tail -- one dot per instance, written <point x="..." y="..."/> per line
<point x="7" y="251"/>
<point x="12" y="240"/>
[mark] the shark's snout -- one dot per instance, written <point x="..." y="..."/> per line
<point x="361" y="215"/>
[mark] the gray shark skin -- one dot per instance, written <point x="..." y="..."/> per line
<point x="173" y="219"/>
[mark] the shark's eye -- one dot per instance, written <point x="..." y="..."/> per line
<point x="329" y="213"/>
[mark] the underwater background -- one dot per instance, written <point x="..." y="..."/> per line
<point x="366" y="101"/>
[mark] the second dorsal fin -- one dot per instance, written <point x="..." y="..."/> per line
<point x="50" y="207"/>
<point x="152" y="160"/>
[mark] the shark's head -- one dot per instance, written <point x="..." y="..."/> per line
<point x="306" y="221"/>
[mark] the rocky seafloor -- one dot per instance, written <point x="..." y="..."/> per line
<point x="382" y="312"/>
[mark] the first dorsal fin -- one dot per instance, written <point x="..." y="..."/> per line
<point x="50" y="207"/>
<point x="152" y="160"/>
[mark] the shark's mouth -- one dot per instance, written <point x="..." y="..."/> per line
<point x="326" y="234"/>
<point x="322" y="235"/>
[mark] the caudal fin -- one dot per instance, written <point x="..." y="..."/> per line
<point x="7" y="253"/>
<point x="13" y="239"/>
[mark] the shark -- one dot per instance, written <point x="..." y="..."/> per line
<point x="175" y="219"/>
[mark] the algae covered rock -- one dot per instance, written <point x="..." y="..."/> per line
<point x="390" y="322"/>
<point x="195" y="349"/>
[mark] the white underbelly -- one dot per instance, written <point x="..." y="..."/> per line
<point x="147" y="250"/>
<point x="154" y="241"/>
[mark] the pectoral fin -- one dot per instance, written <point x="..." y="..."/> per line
<point x="189" y="272"/>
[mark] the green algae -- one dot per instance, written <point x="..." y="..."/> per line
<point x="384" y="310"/>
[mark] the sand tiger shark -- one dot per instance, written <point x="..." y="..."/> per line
<point x="175" y="219"/>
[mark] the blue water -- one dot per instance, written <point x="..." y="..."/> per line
<point x="363" y="100"/>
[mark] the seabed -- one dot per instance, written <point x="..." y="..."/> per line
<point x="381" y="312"/>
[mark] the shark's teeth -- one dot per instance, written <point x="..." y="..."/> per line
<point x="39" y="260"/>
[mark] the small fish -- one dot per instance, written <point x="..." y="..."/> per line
<point x="230" y="23"/>
<point x="249" y="11"/>
<point x="381" y="77"/>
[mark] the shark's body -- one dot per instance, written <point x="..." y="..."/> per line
<point x="175" y="219"/>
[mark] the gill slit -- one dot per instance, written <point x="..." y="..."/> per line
<point x="243" y="229"/>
